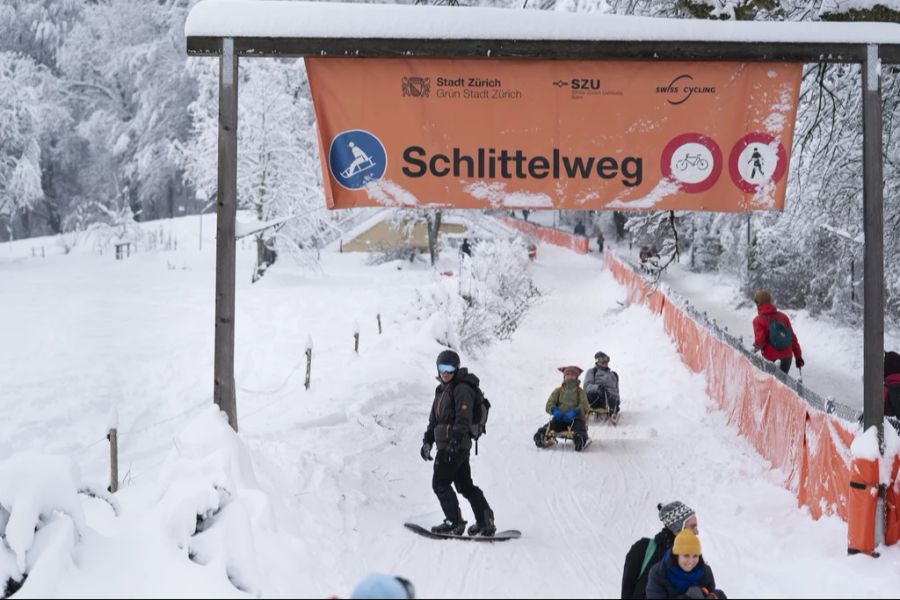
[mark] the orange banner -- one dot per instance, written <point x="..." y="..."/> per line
<point x="554" y="134"/>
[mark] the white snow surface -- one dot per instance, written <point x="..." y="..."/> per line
<point x="312" y="494"/>
<point x="287" y="18"/>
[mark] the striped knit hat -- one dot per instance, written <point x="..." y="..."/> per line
<point x="674" y="514"/>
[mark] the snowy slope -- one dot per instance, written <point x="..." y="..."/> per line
<point x="323" y="479"/>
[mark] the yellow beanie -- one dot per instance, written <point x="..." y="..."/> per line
<point x="686" y="542"/>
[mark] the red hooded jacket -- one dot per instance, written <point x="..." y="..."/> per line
<point x="767" y="312"/>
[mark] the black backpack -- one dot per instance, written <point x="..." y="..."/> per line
<point x="780" y="336"/>
<point x="480" y="409"/>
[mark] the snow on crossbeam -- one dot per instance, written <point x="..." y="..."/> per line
<point x="279" y="27"/>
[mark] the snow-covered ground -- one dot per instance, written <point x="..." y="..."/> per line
<point x="833" y="352"/>
<point x="312" y="494"/>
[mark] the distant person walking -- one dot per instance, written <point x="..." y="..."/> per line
<point x="773" y="333"/>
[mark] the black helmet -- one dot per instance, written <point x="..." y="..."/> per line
<point x="601" y="356"/>
<point x="448" y="357"/>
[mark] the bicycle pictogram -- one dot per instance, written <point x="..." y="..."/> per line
<point x="692" y="160"/>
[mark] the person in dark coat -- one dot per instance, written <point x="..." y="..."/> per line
<point x="767" y="313"/>
<point x="602" y="386"/>
<point x="682" y="573"/>
<point x="466" y="248"/>
<point x="891" y="384"/>
<point x="449" y="426"/>
<point x="646" y="552"/>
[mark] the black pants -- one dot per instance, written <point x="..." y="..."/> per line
<point x="578" y="427"/>
<point x="459" y="473"/>
<point x="785" y="363"/>
<point x="600" y="400"/>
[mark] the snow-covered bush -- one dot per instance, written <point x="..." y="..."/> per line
<point x="41" y="520"/>
<point x="487" y="300"/>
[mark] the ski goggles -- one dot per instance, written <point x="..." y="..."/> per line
<point x="446" y="369"/>
<point x="408" y="587"/>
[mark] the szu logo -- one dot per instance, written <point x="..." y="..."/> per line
<point x="356" y="157"/>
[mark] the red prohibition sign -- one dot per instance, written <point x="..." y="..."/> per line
<point x="734" y="158"/>
<point x="695" y="138"/>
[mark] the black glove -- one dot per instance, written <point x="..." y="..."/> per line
<point x="453" y="448"/>
<point x="800" y="363"/>
<point x="425" y="452"/>
<point x="694" y="592"/>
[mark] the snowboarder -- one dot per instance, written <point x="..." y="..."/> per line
<point x="569" y="406"/>
<point x="466" y="248"/>
<point x="602" y="386"/>
<point x="449" y="426"/>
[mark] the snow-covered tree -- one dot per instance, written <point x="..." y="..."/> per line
<point x="278" y="165"/>
<point x="27" y="110"/>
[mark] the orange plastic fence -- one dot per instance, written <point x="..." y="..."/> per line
<point x="863" y="506"/>
<point x="577" y="243"/>
<point x="892" y="531"/>
<point x="810" y="447"/>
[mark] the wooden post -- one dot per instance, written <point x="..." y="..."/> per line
<point x="226" y="211"/>
<point x="378" y="318"/>
<point x="113" y="437"/>
<point x="308" y="367"/>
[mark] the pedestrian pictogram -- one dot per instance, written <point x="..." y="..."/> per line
<point x="757" y="160"/>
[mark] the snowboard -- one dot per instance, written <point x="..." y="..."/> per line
<point x="500" y="536"/>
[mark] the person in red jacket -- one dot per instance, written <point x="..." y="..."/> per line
<point x="772" y="350"/>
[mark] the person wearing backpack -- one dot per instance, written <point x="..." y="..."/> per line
<point x="450" y="429"/>
<point x="891" y="384"/>
<point x="773" y="333"/>
<point x="602" y="386"/>
<point x="568" y="404"/>
<point x="646" y="552"/>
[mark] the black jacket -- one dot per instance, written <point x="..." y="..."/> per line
<point x="451" y="411"/>
<point x="634" y="584"/>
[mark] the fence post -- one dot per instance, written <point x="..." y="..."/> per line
<point x="308" y="361"/>
<point x="113" y="437"/>
<point x="378" y="318"/>
<point x="356" y="337"/>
